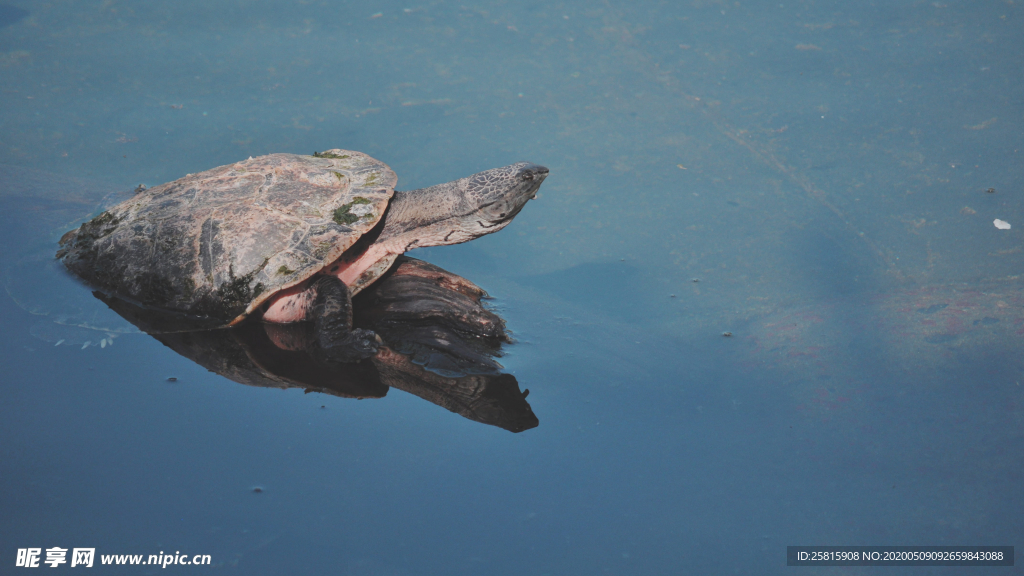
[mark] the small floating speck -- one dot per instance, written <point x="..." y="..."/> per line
<point x="377" y="15"/>
<point x="727" y="334"/>
<point x="695" y="280"/>
<point x="1001" y="224"/>
<point x="172" y="379"/>
<point x="991" y="190"/>
<point x="59" y="342"/>
<point x="257" y="490"/>
<point x="86" y="345"/>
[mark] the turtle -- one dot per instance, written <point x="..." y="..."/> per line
<point x="284" y="237"/>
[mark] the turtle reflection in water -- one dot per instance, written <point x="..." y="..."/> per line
<point x="285" y="237"/>
<point x="441" y="344"/>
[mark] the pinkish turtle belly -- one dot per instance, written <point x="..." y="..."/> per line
<point x="294" y="304"/>
<point x="290" y="305"/>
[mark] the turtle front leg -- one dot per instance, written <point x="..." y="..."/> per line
<point x="332" y="323"/>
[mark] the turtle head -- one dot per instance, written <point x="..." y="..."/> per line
<point x="461" y="210"/>
<point x="495" y="196"/>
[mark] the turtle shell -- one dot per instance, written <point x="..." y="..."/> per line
<point x="219" y="243"/>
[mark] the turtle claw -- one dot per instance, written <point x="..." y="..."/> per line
<point x="354" y="346"/>
<point x="336" y="340"/>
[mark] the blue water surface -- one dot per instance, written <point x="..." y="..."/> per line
<point x="759" y="302"/>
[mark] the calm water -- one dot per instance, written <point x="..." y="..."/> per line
<point x="809" y="177"/>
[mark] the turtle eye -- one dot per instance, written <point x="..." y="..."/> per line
<point x="527" y="176"/>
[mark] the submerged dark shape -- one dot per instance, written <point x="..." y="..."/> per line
<point x="10" y="15"/>
<point x="440" y="346"/>
<point x="284" y="237"/>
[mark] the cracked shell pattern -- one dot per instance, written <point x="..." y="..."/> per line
<point x="221" y="242"/>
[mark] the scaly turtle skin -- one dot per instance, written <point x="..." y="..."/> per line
<point x="287" y="236"/>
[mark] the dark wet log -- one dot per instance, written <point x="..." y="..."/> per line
<point x="434" y="316"/>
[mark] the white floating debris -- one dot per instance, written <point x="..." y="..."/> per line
<point x="103" y="343"/>
<point x="59" y="342"/>
<point x="86" y="345"/>
<point x="1002" y="225"/>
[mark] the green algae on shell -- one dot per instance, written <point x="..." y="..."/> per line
<point x="221" y="242"/>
